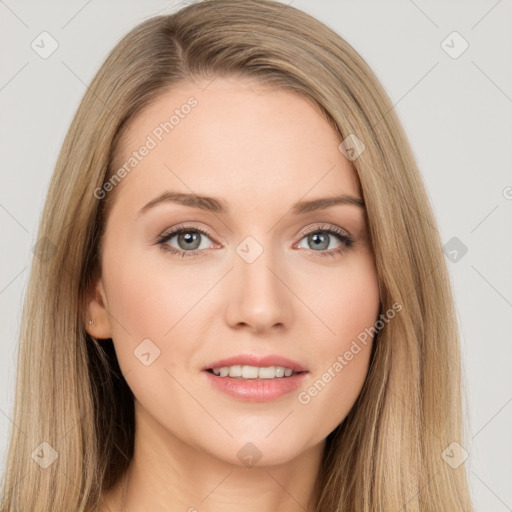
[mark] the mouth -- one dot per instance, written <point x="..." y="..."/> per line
<point x="252" y="366"/>
<point x="253" y="378"/>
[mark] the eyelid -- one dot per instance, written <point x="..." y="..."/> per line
<point x="326" y="227"/>
<point x="183" y="227"/>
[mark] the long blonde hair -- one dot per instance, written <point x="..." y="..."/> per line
<point x="387" y="453"/>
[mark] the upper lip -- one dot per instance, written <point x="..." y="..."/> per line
<point x="255" y="360"/>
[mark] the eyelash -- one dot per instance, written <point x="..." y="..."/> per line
<point x="346" y="240"/>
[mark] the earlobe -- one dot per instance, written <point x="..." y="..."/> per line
<point x="98" y="319"/>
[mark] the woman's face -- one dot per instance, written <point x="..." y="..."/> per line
<point x="256" y="270"/>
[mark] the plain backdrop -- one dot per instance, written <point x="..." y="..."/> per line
<point x="454" y="102"/>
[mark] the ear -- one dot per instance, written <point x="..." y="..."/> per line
<point x="97" y="310"/>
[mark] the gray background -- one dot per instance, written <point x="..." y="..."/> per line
<point x="456" y="112"/>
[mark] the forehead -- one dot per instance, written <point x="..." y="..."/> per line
<point x="237" y="139"/>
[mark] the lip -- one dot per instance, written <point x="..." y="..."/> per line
<point x="254" y="360"/>
<point x="255" y="390"/>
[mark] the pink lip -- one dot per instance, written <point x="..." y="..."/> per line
<point x="261" y="361"/>
<point x="255" y="390"/>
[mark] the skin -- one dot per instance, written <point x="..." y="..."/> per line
<point x="259" y="150"/>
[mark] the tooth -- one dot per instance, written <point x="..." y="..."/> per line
<point x="249" y="372"/>
<point x="267" y="373"/>
<point x="280" y="371"/>
<point x="253" y="372"/>
<point x="235" y="371"/>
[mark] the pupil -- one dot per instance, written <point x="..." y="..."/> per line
<point x="321" y="238"/>
<point x="189" y="237"/>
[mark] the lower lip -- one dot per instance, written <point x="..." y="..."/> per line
<point x="256" y="390"/>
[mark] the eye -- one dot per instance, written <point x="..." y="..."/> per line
<point x="319" y="238"/>
<point x="188" y="238"/>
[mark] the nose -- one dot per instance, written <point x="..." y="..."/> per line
<point x="259" y="297"/>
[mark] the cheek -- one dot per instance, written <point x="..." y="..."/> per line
<point x="350" y="307"/>
<point x="153" y="319"/>
<point x="345" y="300"/>
<point x="148" y="295"/>
<point x="150" y="305"/>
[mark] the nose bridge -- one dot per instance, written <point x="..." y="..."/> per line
<point x="259" y="298"/>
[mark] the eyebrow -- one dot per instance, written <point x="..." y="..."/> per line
<point x="216" y="205"/>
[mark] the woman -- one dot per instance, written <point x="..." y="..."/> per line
<point x="302" y="353"/>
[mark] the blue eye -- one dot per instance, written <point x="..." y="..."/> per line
<point x="318" y="238"/>
<point x="188" y="237"/>
<point x="190" y="243"/>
